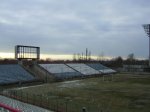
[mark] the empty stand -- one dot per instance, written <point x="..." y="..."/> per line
<point x="13" y="73"/>
<point x="76" y="69"/>
<point x="84" y="69"/>
<point x="60" y="70"/>
<point x="103" y="69"/>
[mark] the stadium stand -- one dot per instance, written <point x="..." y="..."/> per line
<point x="61" y="71"/>
<point x="103" y="69"/>
<point x="13" y="73"/>
<point x="70" y="70"/>
<point x="83" y="69"/>
<point x="23" y="107"/>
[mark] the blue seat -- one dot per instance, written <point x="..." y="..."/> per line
<point x="13" y="73"/>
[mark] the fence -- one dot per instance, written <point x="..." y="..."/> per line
<point x="54" y="103"/>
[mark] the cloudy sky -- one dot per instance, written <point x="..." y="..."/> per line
<point x="111" y="27"/>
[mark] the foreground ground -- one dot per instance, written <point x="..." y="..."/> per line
<point x="126" y="93"/>
<point x="23" y="107"/>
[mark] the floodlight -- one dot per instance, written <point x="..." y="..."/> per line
<point x="147" y="30"/>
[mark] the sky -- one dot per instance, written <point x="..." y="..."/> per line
<point x="109" y="27"/>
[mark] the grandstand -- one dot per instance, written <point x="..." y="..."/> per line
<point x="70" y="70"/>
<point x="83" y="69"/>
<point x="14" y="73"/>
<point x="103" y="69"/>
<point x="60" y="71"/>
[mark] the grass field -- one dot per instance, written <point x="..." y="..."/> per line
<point x="126" y="93"/>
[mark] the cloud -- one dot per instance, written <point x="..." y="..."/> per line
<point x="69" y="26"/>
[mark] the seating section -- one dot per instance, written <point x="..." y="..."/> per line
<point x="103" y="69"/>
<point x="71" y="70"/>
<point x="13" y="73"/>
<point x="60" y="70"/>
<point x="84" y="69"/>
<point x="24" y="107"/>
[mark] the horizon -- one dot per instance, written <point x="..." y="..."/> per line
<point x="47" y="56"/>
<point x="65" y="57"/>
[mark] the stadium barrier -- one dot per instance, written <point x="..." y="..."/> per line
<point x="6" y="107"/>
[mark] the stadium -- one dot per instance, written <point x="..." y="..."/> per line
<point x="29" y="72"/>
<point x="33" y="86"/>
<point x="74" y="56"/>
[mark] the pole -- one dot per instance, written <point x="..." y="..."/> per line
<point x="66" y="106"/>
<point x="149" y="50"/>
<point x="86" y="53"/>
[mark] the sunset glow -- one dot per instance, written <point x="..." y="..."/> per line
<point x="4" y="55"/>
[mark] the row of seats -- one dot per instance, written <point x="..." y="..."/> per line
<point x="13" y="73"/>
<point x="76" y="69"/>
<point x="24" y="107"/>
<point x="103" y="69"/>
<point x="60" y="70"/>
<point x="84" y="69"/>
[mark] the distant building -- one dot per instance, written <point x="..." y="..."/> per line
<point x="134" y="68"/>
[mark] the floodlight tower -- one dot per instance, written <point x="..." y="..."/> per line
<point x="147" y="30"/>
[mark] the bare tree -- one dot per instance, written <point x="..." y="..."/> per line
<point x="131" y="57"/>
